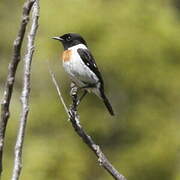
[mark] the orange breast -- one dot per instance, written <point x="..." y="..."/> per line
<point x="67" y="55"/>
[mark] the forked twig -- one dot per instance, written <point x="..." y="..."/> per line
<point x="74" y="119"/>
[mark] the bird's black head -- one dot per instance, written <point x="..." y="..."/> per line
<point x="70" y="39"/>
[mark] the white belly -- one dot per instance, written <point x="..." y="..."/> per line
<point x="78" y="71"/>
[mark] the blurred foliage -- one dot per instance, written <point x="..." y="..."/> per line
<point x="137" y="47"/>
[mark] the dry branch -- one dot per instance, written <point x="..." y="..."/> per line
<point x="5" y="103"/>
<point x="74" y="119"/>
<point x="25" y="92"/>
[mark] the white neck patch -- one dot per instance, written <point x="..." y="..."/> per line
<point x="77" y="47"/>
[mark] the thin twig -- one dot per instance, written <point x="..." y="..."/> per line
<point x="58" y="90"/>
<point x="25" y="92"/>
<point x="74" y="118"/>
<point x="5" y="103"/>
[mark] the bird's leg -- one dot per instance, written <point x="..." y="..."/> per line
<point x="85" y="91"/>
<point x="82" y="96"/>
<point x="74" y="93"/>
<point x="88" y="86"/>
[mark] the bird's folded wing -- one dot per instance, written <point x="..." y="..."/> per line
<point x="89" y="61"/>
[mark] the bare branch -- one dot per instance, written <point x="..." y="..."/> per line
<point x="25" y="92"/>
<point x="5" y="103"/>
<point x="74" y="119"/>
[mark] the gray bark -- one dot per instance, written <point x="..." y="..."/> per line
<point x="8" y="89"/>
<point x="25" y="93"/>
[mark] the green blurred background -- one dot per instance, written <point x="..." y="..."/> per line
<point x="137" y="47"/>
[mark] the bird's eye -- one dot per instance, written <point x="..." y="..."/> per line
<point x="68" y="38"/>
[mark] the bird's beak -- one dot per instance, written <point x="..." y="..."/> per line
<point x="57" y="38"/>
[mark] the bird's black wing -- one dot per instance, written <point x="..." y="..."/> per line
<point x="89" y="61"/>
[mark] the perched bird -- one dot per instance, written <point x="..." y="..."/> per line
<point x="79" y="63"/>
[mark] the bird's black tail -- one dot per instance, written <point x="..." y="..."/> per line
<point x="107" y="104"/>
